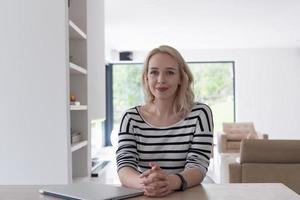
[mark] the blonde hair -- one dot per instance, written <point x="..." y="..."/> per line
<point x="184" y="98"/>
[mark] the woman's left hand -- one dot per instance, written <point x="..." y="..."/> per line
<point x="155" y="181"/>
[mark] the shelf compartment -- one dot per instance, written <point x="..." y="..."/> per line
<point x="75" y="31"/>
<point x="78" y="145"/>
<point x="81" y="107"/>
<point x="76" y="69"/>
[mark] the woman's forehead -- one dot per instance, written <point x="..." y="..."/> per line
<point x="162" y="60"/>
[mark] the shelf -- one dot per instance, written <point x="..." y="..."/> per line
<point x="78" y="145"/>
<point x="76" y="69"/>
<point x="81" y="107"/>
<point x="75" y="32"/>
<point x="78" y="86"/>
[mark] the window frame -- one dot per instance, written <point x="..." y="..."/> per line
<point x="109" y="93"/>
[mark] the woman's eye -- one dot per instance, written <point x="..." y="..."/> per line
<point x="171" y="72"/>
<point x="153" y="72"/>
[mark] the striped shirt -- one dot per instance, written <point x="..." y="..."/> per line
<point x="185" y="144"/>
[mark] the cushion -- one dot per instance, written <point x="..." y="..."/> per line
<point x="233" y="145"/>
<point x="252" y="136"/>
<point x="270" y="151"/>
<point x="236" y="137"/>
<point x="239" y="128"/>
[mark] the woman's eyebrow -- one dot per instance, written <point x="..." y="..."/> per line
<point x="168" y="68"/>
<point x="153" y="67"/>
<point x="172" y="68"/>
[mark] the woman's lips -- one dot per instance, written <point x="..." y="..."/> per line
<point x="161" y="89"/>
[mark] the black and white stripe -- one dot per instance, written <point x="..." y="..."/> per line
<point x="186" y="144"/>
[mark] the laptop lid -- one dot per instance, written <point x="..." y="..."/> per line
<point x="89" y="191"/>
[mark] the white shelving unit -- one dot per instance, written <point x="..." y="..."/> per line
<point x="78" y="86"/>
<point x="50" y="76"/>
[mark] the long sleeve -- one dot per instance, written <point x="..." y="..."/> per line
<point x="202" y="142"/>
<point x="126" y="153"/>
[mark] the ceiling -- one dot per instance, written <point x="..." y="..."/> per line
<point x="201" y="24"/>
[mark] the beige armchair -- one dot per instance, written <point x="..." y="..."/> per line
<point x="233" y="133"/>
<point x="268" y="161"/>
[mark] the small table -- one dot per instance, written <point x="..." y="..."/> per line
<point x="237" y="191"/>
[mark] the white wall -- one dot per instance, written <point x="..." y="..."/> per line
<point x="267" y="86"/>
<point x="96" y="64"/>
<point x="33" y="102"/>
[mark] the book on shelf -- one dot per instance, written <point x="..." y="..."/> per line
<point x="75" y="103"/>
<point x="75" y="137"/>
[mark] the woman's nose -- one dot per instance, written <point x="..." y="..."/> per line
<point x="161" y="78"/>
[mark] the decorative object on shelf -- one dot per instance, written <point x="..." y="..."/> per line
<point x="72" y="98"/>
<point x="73" y="101"/>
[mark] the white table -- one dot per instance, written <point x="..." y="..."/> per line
<point x="249" y="191"/>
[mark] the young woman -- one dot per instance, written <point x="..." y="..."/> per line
<point x="165" y="144"/>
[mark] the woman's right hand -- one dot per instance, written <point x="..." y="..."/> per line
<point x="155" y="181"/>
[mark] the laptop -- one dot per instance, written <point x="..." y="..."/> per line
<point x="89" y="191"/>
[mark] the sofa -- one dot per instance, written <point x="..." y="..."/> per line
<point x="268" y="161"/>
<point x="229" y="140"/>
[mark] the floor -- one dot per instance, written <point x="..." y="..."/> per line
<point x="108" y="174"/>
<point x="218" y="169"/>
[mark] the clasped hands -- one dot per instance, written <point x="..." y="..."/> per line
<point x="155" y="182"/>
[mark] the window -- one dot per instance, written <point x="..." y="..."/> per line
<point x="213" y="85"/>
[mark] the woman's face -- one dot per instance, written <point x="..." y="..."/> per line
<point x="163" y="76"/>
